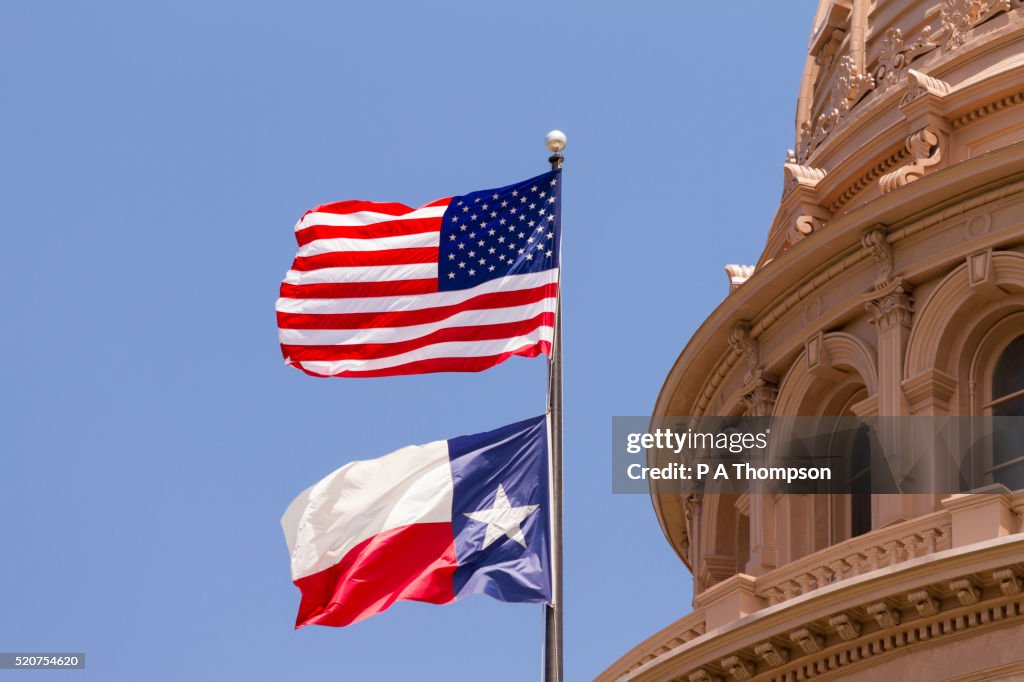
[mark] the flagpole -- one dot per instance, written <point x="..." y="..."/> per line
<point x="553" y="660"/>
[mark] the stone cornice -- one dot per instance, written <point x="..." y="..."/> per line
<point x="940" y="595"/>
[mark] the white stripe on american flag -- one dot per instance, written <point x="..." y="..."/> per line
<point x="405" y="241"/>
<point x="364" y="217"/>
<point x="365" y="273"/>
<point x="340" y="306"/>
<point x="441" y="350"/>
<point x="469" y="318"/>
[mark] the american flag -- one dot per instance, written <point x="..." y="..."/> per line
<point x="458" y="285"/>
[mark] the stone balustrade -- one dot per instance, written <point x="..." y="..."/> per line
<point x="881" y="548"/>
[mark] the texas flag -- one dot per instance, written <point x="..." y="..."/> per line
<point x="429" y="523"/>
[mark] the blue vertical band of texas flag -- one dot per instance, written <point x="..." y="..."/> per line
<point x="509" y="462"/>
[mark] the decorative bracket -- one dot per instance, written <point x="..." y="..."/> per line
<point x="1009" y="583"/>
<point x="966" y="591"/>
<point x="846" y="627"/>
<point x="876" y="241"/>
<point x="926" y="146"/>
<point x="739" y="668"/>
<point x="811" y="642"/>
<point x="886" y="616"/>
<point x="746" y="346"/>
<point x="774" y="656"/>
<point x="925" y="603"/>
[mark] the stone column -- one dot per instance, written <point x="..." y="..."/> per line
<point x="891" y="309"/>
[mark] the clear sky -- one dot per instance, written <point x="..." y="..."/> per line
<point x="155" y="157"/>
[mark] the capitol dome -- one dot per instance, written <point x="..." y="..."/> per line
<point x="891" y="284"/>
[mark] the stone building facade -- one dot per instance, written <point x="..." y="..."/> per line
<point x="891" y="283"/>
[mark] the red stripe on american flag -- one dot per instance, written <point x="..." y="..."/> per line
<point x="406" y="318"/>
<point x="391" y="228"/>
<point x="376" y="351"/>
<point x="356" y="206"/>
<point x="340" y="259"/>
<point x="474" y="364"/>
<point x="403" y="287"/>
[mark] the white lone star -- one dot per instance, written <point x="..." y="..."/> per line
<point x="503" y="519"/>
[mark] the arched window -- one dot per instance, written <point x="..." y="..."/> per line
<point x="1006" y="399"/>
<point x="850" y="505"/>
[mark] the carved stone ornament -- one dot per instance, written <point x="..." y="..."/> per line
<point x="794" y="175"/>
<point x="809" y="641"/>
<point x="966" y="592"/>
<point x="926" y="604"/>
<point x="919" y="84"/>
<point x="745" y="345"/>
<point x="876" y="241"/>
<point x="926" y="148"/>
<point x="704" y="676"/>
<point x="738" y="274"/>
<point x="960" y="16"/>
<point x="803" y="225"/>
<point x="891" y="305"/>
<point x="1009" y="583"/>
<point x="813" y="133"/>
<point x="846" y="627"/>
<point x="738" y="668"/>
<point x="759" y="401"/>
<point x="851" y="85"/>
<point x="774" y="656"/>
<point x="885" y="616"/>
<point x="896" y="55"/>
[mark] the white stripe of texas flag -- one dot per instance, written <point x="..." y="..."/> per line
<point x="365" y="498"/>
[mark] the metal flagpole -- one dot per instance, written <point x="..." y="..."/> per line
<point x="553" y="667"/>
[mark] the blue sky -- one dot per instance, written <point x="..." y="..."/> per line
<point x="155" y="159"/>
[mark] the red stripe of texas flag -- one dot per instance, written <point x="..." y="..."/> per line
<point x="414" y="562"/>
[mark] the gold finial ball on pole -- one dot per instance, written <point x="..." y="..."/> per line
<point x="555" y="141"/>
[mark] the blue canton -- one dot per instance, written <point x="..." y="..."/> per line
<point x="493" y="233"/>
